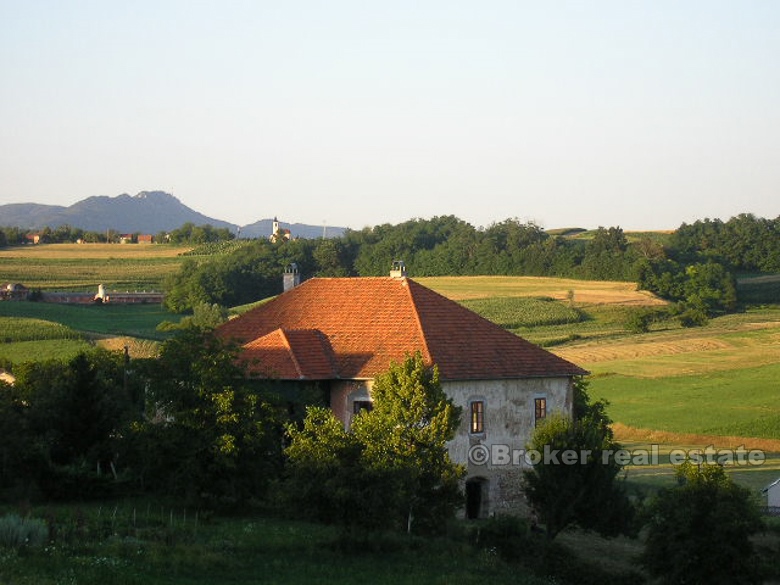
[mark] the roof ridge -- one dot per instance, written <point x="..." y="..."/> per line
<point x="426" y="350"/>
<point x="289" y="347"/>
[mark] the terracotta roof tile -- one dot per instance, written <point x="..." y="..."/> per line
<point x="363" y="324"/>
<point x="298" y="354"/>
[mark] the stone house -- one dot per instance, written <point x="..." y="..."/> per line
<point x="339" y="333"/>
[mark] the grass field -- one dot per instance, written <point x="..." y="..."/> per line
<point x="133" y="320"/>
<point x="85" y="266"/>
<point x="46" y="330"/>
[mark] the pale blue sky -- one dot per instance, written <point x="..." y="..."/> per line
<point x="642" y="114"/>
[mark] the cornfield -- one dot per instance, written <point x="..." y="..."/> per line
<point x="517" y="312"/>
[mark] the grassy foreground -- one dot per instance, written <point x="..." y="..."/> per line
<point x="122" y="544"/>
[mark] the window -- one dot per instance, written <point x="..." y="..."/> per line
<point x="359" y="406"/>
<point x="477" y="416"/>
<point x="540" y="409"/>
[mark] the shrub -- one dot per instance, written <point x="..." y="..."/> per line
<point x="640" y="320"/>
<point x="16" y="532"/>
<point x="699" y="532"/>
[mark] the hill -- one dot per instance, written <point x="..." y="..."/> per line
<point x="147" y="212"/>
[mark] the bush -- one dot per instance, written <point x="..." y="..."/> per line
<point x="640" y="320"/>
<point x="699" y="532"/>
<point x="516" y="541"/>
<point x="691" y="315"/>
<point x="16" y="532"/>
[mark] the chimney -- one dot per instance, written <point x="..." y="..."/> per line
<point x="291" y="278"/>
<point x="398" y="270"/>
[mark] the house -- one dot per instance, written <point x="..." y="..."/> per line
<point x="772" y="492"/>
<point x="145" y="238"/>
<point x="339" y="333"/>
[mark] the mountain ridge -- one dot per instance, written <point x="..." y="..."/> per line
<point x="148" y="212"/>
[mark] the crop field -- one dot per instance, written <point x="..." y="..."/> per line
<point x="84" y="266"/>
<point x="23" y="329"/>
<point x="581" y="292"/>
<point x="519" y="312"/>
<point x="43" y="330"/>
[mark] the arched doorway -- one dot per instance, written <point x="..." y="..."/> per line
<point x="476" y="498"/>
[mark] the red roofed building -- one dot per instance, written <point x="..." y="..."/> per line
<point x="341" y="332"/>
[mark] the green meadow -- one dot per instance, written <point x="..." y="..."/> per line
<point x="139" y="320"/>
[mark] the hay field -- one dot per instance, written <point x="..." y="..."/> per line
<point x="716" y="384"/>
<point x="580" y="292"/>
<point x="681" y="352"/>
<point x="85" y="266"/>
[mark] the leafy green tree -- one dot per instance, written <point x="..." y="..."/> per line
<point x="391" y="469"/>
<point x="68" y="416"/>
<point x="589" y="492"/>
<point x="407" y="432"/>
<point x="710" y="286"/>
<point x="204" y="316"/>
<point x="699" y="531"/>
<point x="207" y="434"/>
<point x="608" y="256"/>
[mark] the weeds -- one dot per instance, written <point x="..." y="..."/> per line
<point x="17" y="532"/>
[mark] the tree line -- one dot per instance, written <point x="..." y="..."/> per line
<point x="188" y="233"/>
<point x="695" y="266"/>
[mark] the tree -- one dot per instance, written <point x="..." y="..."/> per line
<point x="699" y="531"/>
<point x="587" y="493"/>
<point x="407" y="431"/>
<point x="391" y="469"/>
<point x="207" y="435"/>
<point x="68" y="416"/>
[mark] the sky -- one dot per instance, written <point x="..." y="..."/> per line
<point x="642" y="114"/>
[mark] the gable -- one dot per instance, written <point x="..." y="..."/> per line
<point x="364" y="324"/>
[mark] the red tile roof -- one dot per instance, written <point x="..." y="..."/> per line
<point x="353" y="328"/>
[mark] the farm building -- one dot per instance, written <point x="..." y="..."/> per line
<point x="13" y="291"/>
<point x="772" y="492"/>
<point x="339" y="333"/>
